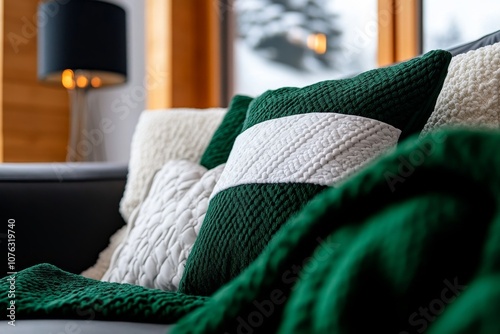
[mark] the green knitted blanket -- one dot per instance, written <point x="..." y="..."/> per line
<point x="411" y="244"/>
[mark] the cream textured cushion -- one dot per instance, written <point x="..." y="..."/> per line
<point x="164" y="135"/>
<point x="470" y="94"/>
<point x="162" y="234"/>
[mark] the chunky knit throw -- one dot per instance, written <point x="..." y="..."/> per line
<point x="411" y="243"/>
<point x="45" y="291"/>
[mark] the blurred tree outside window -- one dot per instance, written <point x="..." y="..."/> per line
<point x="299" y="42"/>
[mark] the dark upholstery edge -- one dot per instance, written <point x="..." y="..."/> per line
<point x="61" y="172"/>
<point x="489" y="39"/>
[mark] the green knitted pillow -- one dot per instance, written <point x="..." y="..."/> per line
<point x="222" y="141"/>
<point x="295" y="143"/>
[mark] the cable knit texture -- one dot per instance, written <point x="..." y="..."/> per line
<point x="160" y="136"/>
<point x="161" y="237"/>
<point x="295" y="141"/>
<point x="470" y="94"/>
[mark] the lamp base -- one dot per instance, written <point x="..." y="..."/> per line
<point x="79" y="149"/>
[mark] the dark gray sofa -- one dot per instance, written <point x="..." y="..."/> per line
<point x="64" y="213"/>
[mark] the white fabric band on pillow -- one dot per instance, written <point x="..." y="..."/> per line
<point x="292" y="149"/>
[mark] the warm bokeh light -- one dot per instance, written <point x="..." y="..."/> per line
<point x="68" y="79"/>
<point x="317" y="43"/>
<point x="96" y="82"/>
<point x="82" y="81"/>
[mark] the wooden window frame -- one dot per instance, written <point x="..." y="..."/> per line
<point x="184" y="39"/>
<point x="400" y="30"/>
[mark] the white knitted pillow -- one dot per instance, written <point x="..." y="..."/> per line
<point x="161" y="235"/>
<point x="163" y="135"/>
<point x="470" y="94"/>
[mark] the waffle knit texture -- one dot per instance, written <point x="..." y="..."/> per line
<point x="422" y="234"/>
<point x="301" y="139"/>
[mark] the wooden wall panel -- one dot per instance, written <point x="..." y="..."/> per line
<point x="35" y="116"/>
<point x="158" y="42"/>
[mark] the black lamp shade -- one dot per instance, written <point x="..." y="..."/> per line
<point x="84" y="35"/>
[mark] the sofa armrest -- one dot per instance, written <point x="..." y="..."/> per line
<point x="64" y="213"/>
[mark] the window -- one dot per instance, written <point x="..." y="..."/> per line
<point x="298" y="42"/>
<point x="449" y="23"/>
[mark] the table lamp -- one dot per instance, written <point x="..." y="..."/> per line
<point x="81" y="45"/>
